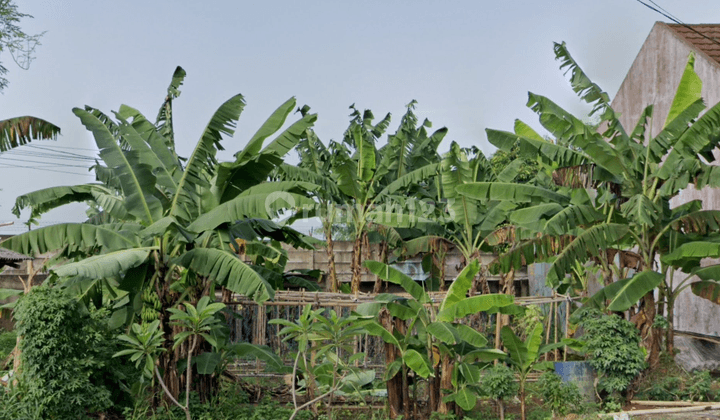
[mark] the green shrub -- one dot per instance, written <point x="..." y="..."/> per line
<point x="699" y="387"/>
<point x="67" y="351"/>
<point x="7" y="344"/>
<point x="558" y="396"/>
<point x="613" y="347"/>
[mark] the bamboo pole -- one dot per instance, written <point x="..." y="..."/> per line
<point x="567" y="328"/>
<point x="706" y="407"/>
<point x="670" y="403"/>
<point x="557" y="307"/>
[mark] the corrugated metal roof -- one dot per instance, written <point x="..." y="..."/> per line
<point x="7" y="255"/>
<point x="711" y="46"/>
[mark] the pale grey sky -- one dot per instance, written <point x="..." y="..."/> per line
<point x="469" y="64"/>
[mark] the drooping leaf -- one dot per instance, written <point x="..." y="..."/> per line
<point x="473" y="305"/>
<point x="586" y="244"/>
<point x="633" y="290"/>
<point x="18" y="131"/>
<point x="44" y="200"/>
<point x="460" y="286"/>
<point x="105" y="265"/>
<point x="392" y="275"/>
<point x="417" y="363"/>
<point x="74" y="236"/>
<point x="518" y="193"/>
<point x="136" y="179"/>
<point x="228" y="271"/>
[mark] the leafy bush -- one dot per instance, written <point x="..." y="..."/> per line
<point x="699" y="388"/>
<point x="7" y="344"/>
<point x="613" y="347"/>
<point x="560" y="397"/>
<point x="66" y="356"/>
<point x="498" y="383"/>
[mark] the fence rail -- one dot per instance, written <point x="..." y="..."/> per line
<point x="250" y="323"/>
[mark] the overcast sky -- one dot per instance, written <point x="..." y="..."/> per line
<point x="469" y="64"/>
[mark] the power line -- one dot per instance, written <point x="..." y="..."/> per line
<point x="57" y="151"/>
<point x="678" y="21"/>
<point x="57" y="146"/>
<point x="38" y="161"/>
<point x="8" y="166"/>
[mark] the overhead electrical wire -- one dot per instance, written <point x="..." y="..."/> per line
<point x="676" y="20"/>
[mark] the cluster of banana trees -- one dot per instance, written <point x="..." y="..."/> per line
<point x="612" y="215"/>
<point x="168" y="229"/>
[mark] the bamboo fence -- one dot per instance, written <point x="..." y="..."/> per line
<point x="251" y="323"/>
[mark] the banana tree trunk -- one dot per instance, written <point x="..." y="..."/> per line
<point x="446" y="369"/>
<point x="670" y="339"/>
<point x="356" y="264"/>
<point x="383" y="248"/>
<point x="651" y="336"/>
<point x="332" y="282"/>
<point x="394" y="384"/>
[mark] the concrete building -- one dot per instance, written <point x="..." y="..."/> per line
<point x="653" y="78"/>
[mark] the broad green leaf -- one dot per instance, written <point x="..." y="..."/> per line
<point x="466" y="399"/>
<point x="105" y="265"/>
<point x="473" y="305"/>
<point x="444" y="332"/>
<point x="587" y="244"/>
<point x="228" y="271"/>
<point x="136" y="179"/>
<point x="44" y="200"/>
<point x="270" y="126"/>
<point x="264" y="353"/>
<point x="471" y="335"/>
<point x="634" y="289"/>
<point x="377" y="330"/>
<point x="206" y="362"/>
<point x="688" y="91"/>
<point x="459" y="288"/>
<point x="417" y="363"/>
<point x="184" y="205"/>
<point x="517" y="193"/>
<point x="262" y="206"/>
<point x="392" y="275"/>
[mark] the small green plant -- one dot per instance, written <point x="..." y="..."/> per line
<point x="498" y="383"/>
<point x="559" y="397"/>
<point x="524" y="356"/>
<point x="146" y="341"/>
<point x="613" y="347"/>
<point x="699" y="388"/>
<point x="321" y="341"/>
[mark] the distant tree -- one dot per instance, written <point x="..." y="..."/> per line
<point x="14" y="39"/>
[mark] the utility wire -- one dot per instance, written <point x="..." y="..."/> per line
<point x="58" y="151"/>
<point x="57" y="146"/>
<point x="38" y="161"/>
<point x="678" y="21"/>
<point x="8" y="166"/>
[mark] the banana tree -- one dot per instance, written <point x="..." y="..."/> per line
<point x="617" y="189"/>
<point x="362" y="180"/>
<point x="165" y="236"/>
<point x="430" y="341"/>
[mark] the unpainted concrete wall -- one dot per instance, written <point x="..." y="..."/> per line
<point x="653" y="79"/>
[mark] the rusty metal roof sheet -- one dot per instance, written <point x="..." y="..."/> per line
<point x="711" y="46"/>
